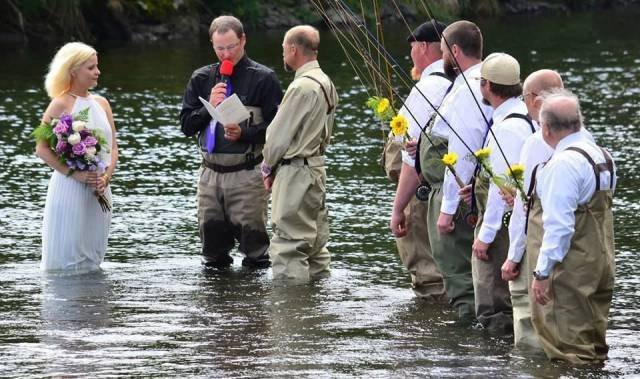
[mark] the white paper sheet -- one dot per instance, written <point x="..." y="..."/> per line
<point x="230" y="111"/>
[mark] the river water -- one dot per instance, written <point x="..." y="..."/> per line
<point x="154" y="311"/>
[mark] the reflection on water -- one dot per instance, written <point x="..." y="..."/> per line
<point x="155" y="312"/>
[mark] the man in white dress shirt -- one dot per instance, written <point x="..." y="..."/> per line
<point x="572" y="239"/>
<point x="500" y="86"/>
<point x="515" y="269"/>
<point x="450" y="236"/>
<point x="409" y="215"/>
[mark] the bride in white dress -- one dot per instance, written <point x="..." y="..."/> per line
<point x="75" y="228"/>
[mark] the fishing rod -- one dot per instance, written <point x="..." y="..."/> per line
<point x="397" y="69"/>
<point x="489" y="129"/>
<point x="388" y="56"/>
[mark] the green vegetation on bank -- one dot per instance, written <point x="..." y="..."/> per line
<point x="125" y="20"/>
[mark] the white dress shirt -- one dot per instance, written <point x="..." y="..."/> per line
<point x="563" y="184"/>
<point x="534" y="152"/>
<point x="510" y="134"/>
<point x="433" y="87"/>
<point x="467" y="120"/>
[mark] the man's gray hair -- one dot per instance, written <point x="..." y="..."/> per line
<point x="560" y="110"/>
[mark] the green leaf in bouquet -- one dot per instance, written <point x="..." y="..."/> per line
<point x="82" y="115"/>
<point x="44" y="132"/>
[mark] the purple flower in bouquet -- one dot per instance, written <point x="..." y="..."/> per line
<point x="79" y="149"/>
<point x="90" y="141"/>
<point x="85" y="133"/>
<point x="61" y="147"/>
<point x="61" y="127"/>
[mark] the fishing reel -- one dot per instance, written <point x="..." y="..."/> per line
<point x="471" y="218"/>
<point x="423" y="190"/>
<point x="506" y="217"/>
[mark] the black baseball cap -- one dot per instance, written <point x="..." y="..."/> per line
<point x="429" y="31"/>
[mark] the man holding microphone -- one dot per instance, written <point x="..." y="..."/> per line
<point x="232" y="202"/>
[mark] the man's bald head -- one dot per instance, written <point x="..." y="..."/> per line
<point x="560" y="112"/>
<point x="304" y="37"/>
<point x="535" y="85"/>
<point x="542" y="80"/>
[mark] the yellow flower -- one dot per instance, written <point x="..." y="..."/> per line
<point x="517" y="170"/>
<point x="399" y="125"/>
<point x="483" y="153"/>
<point x="383" y="105"/>
<point x="449" y="159"/>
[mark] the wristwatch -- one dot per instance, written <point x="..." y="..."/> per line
<point x="539" y="276"/>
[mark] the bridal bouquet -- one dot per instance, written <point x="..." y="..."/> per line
<point x="75" y="145"/>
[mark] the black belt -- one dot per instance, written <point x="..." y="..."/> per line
<point x="249" y="164"/>
<point x="285" y="162"/>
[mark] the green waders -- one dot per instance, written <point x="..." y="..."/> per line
<point x="452" y="252"/>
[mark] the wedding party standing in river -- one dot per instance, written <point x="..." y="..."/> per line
<point x="232" y="202"/>
<point x="81" y="148"/>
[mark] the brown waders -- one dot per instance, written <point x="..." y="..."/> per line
<point x="572" y="326"/>
<point x="492" y="296"/>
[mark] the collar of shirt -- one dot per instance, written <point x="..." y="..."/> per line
<point x="511" y="105"/>
<point x="572" y="139"/>
<point x="437" y="66"/>
<point x="306" y="68"/>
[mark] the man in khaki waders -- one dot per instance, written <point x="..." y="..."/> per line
<point x="293" y="167"/>
<point x="500" y="86"/>
<point x="232" y="202"/>
<point x="570" y="237"/>
<point x="515" y="268"/>
<point x="409" y="215"/>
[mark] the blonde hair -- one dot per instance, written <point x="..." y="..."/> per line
<point x="68" y="58"/>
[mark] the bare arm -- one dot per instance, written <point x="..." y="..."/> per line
<point x="106" y="177"/>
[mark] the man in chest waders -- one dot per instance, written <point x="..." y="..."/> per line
<point x="510" y="127"/>
<point x="232" y="202"/>
<point x="409" y="215"/>
<point x="293" y="167"/>
<point x="570" y="237"/>
<point x="449" y="233"/>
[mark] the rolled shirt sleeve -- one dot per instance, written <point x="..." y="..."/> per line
<point x="559" y="190"/>
<point x="511" y="142"/>
<point x="534" y="152"/>
<point x="470" y="125"/>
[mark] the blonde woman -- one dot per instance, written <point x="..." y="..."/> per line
<point x="75" y="228"/>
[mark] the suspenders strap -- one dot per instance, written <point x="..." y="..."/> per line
<point x="324" y="92"/>
<point x="523" y="117"/>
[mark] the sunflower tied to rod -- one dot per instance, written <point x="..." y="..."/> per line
<point x="449" y="160"/>
<point x="384" y="111"/>
<point x="509" y="182"/>
<point x="512" y="180"/>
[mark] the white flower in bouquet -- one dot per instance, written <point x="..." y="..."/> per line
<point x="91" y="152"/>
<point x="74" y="139"/>
<point x="78" y="126"/>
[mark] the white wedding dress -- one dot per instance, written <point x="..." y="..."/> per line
<point x="75" y="229"/>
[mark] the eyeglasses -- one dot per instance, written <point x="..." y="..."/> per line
<point x="222" y="49"/>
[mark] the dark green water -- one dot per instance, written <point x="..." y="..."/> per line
<point x="155" y="312"/>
